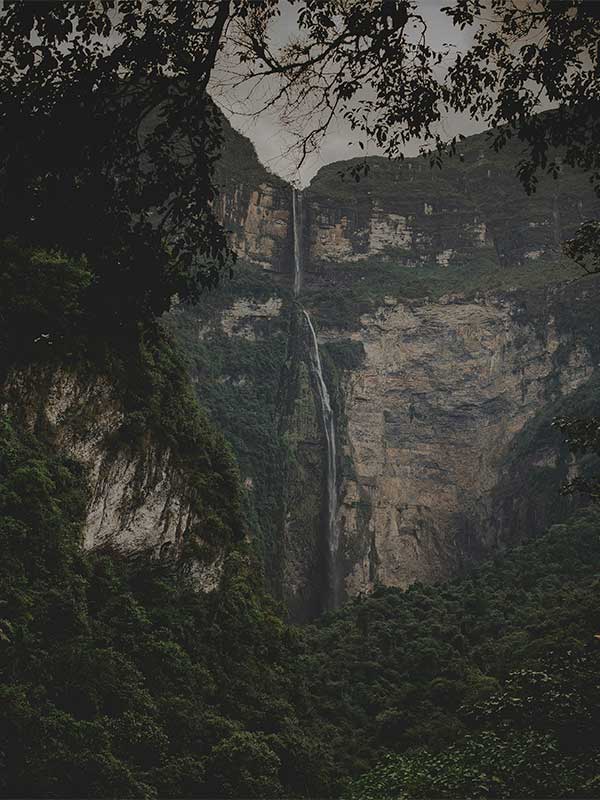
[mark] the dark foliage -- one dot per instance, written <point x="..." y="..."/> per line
<point x="119" y="679"/>
<point x="109" y="142"/>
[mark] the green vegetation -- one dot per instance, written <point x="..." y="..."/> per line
<point x="246" y="281"/>
<point x="237" y="382"/>
<point x="46" y="327"/>
<point x="476" y="179"/>
<point x="400" y="670"/>
<point x="119" y="679"/>
<point x="345" y="353"/>
<point x="362" y="288"/>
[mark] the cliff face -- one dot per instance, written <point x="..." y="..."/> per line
<point x="253" y="205"/>
<point x="433" y="414"/>
<point x="249" y="362"/>
<point x="443" y="420"/>
<point x="444" y="375"/>
<point x="473" y="212"/>
<point x="258" y="222"/>
<point x="139" y="497"/>
<point x="474" y="207"/>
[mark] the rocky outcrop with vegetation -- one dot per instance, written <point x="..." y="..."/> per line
<point x="445" y="316"/>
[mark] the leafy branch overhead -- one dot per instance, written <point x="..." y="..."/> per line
<point x="109" y="141"/>
<point x="376" y="64"/>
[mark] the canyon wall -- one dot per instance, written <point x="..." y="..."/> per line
<point x="443" y="420"/>
<point x="254" y="205"/>
<point x="443" y="388"/>
<point x="258" y="222"/>
<point x="474" y="208"/>
<point x="250" y="365"/>
<point x="471" y="212"/>
<point x="433" y="415"/>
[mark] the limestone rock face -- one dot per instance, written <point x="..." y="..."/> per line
<point x="259" y="224"/>
<point x="432" y="414"/>
<point x="434" y="398"/>
<point x="432" y="402"/>
<point x="473" y="208"/>
<point x="137" y="498"/>
<point x="339" y="234"/>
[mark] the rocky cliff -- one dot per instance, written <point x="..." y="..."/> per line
<point x="433" y="413"/>
<point x="253" y="205"/>
<point x="473" y="207"/>
<point x="448" y="343"/>
<point x="443" y="417"/>
<point x="472" y="212"/>
<point x="142" y="494"/>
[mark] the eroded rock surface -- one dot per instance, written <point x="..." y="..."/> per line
<point x="138" y="498"/>
<point x="431" y="414"/>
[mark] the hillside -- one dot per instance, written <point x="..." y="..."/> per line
<point x="472" y="203"/>
<point x="120" y="678"/>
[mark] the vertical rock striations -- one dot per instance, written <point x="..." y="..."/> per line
<point x="140" y="497"/>
<point x="434" y="414"/>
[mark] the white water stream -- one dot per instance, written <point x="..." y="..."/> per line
<point x="327" y="417"/>
<point x="326" y="413"/>
<point x="297" y="220"/>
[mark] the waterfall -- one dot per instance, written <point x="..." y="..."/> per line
<point x="333" y="599"/>
<point x="328" y="425"/>
<point x="297" y="222"/>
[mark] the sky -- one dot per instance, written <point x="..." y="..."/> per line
<point x="271" y="139"/>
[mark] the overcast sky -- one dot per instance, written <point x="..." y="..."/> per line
<point x="272" y="141"/>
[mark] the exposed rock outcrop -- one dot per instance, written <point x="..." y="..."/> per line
<point x="258" y="221"/>
<point x="434" y="399"/>
<point x="474" y="208"/>
<point x="138" y="497"/>
<point x="473" y="211"/>
<point x="432" y="415"/>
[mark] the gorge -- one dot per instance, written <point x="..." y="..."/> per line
<point x="385" y="364"/>
<point x="299" y="482"/>
<point x="446" y="344"/>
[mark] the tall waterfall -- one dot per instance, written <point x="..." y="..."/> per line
<point x="326" y="414"/>
<point x="328" y="425"/>
<point x="297" y="221"/>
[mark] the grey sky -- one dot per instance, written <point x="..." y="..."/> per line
<point x="272" y="140"/>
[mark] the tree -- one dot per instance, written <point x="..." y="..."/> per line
<point x="374" y="64"/>
<point x="538" y="737"/>
<point x="109" y="139"/>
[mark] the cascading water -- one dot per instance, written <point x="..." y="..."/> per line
<point x="328" y="425"/>
<point x="326" y="413"/>
<point x="297" y="220"/>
